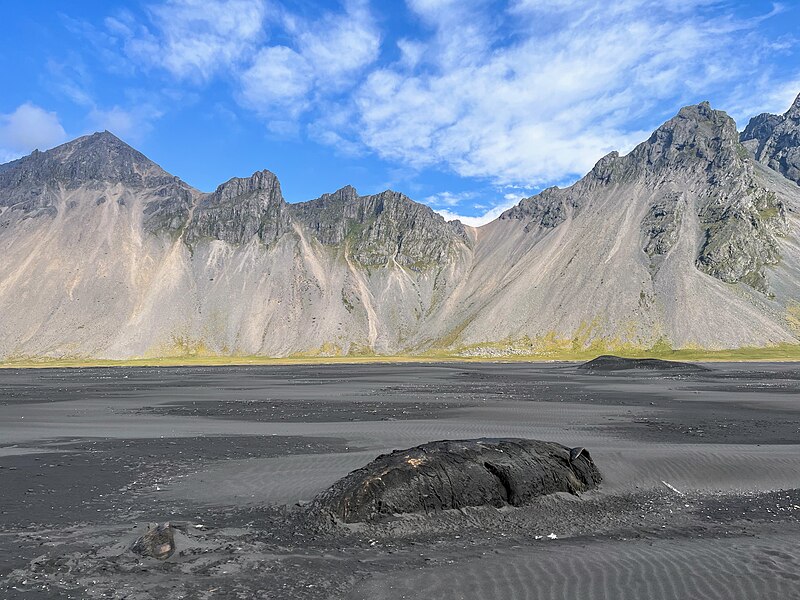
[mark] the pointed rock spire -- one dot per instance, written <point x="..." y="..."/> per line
<point x="794" y="109"/>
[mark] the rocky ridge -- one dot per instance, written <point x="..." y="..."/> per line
<point x="775" y="141"/>
<point x="740" y="218"/>
<point x="118" y="258"/>
<point x="382" y="228"/>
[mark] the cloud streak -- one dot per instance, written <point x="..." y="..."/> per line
<point x="193" y="39"/>
<point x="560" y="95"/>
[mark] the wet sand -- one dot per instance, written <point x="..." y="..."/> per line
<point x="700" y="499"/>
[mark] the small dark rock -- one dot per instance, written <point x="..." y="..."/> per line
<point x="158" y="542"/>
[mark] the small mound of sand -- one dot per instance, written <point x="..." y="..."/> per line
<point x="456" y="474"/>
<point x="608" y="363"/>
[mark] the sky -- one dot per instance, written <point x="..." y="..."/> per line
<point x="465" y="105"/>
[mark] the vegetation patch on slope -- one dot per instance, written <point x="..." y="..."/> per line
<point x="775" y="353"/>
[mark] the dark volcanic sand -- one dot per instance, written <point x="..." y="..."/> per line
<point x="700" y="495"/>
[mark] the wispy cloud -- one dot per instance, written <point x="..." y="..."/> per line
<point x="323" y="58"/>
<point x="132" y="120"/>
<point x="449" y="198"/>
<point x="279" y="76"/>
<point x="131" y="124"/>
<point x="561" y="94"/>
<point x="490" y="205"/>
<point x="193" y="39"/>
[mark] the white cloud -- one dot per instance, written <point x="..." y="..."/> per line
<point x="486" y="217"/>
<point x="325" y="56"/>
<point x="762" y="94"/>
<point x="200" y="40"/>
<point x="279" y="76"/>
<point x="129" y="124"/>
<point x="29" y="127"/>
<point x="526" y="92"/>
<point x="561" y="94"/>
<point x="194" y="39"/>
<point x="340" y="44"/>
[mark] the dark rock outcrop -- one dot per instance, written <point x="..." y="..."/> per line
<point x="240" y="210"/>
<point x="376" y="230"/>
<point x="92" y="159"/>
<point x="661" y="225"/>
<point x="696" y="150"/>
<point x="608" y="363"/>
<point x="546" y="210"/>
<point x="775" y="141"/>
<point x="741" y="219"/>
<point x="158" y="542"/>
<point x="448" y="475"/>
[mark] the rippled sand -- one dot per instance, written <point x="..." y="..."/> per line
<point x="700" y="498"/>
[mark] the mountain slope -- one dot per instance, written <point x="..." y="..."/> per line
<point x="689" y="240"/>
<point x="677" y="241"/>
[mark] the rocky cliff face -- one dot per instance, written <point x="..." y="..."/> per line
<point x="93" y="164"/>
<point x="381" y="229"/>
<point x="241" y="210"/>
<point x="775" y="141"/>
<point x="687" y="240"/>
<point x="740" y="219"/>
<point x="374" y="231"/>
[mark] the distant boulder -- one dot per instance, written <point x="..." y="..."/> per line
<point x="608" y="363"/>
<point x="447" y="475"/>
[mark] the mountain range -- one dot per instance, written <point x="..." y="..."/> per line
<point x="692" y="240"/>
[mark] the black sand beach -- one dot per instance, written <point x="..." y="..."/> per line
<point x="700" y="497"/>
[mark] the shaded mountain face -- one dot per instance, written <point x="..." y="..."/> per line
<point x="95" y="163"/>
<point x="775" y="141"/>
<point x="241" y="210"/>
<point x="695" y="155"/>
<point x="372" y="230"/>
<point x="687" y="240"/>
<point x="381" y="229"/>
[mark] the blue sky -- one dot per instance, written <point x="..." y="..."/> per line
<point x="466" y="105"/>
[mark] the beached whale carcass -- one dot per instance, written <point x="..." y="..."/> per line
<point x="447" y="475"/>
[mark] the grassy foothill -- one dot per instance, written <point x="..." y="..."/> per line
<point x="480" y="353"/>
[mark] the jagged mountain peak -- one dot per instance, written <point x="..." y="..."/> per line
<point x="698" y="121"/>
<point x="380" y="228"/>
<point x="95" y="159"/>
<point x="344" y="195"/>
<point x="794" y="109"/>
<point x="697" y="137"/>
<point x="240" y="210"/>
<point x="263" y="180"/>
<point x="774" y="140"/>
<point x="104" y="137"/>
<point x="697" y="131"/>
<point x="107" y="154"/>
